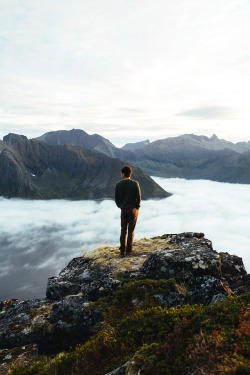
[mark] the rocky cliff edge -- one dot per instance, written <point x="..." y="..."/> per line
<point x="69" y="314"/>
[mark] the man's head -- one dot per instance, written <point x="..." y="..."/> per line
<point x="126" y="171"/>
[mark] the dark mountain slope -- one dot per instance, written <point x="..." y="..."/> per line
<point x="240" y="169"/>
<point x="34" y="169"/>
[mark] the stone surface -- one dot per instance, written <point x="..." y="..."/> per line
<point x="78" y="277"/>
<point x="120" y="371"/>
<point x="53" y="326"/>
<point x="206" y="273"/>
<point x="189" y="258"/>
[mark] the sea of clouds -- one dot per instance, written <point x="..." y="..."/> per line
<point x="39" y="238"/>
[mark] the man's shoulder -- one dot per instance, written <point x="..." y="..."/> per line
<point x="126" y="183"/>
<point x="135" y="182"/>
<point x="119" y="183"/>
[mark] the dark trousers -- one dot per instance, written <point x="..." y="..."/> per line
<point x="128" y="222"/>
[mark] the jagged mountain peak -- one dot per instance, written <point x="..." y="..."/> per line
<point x="13" y="138"/>
<point x="74" y="136"/>
<point x="214" y="137"/>
<point x="78" y="137"/>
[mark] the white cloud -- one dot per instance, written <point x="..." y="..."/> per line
<point x="39" y="238"/>
<point x="207" y="112"/>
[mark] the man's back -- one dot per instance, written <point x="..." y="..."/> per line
<point x="127" y="194"/>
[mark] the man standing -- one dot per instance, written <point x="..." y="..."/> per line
<point x="128" y="199"/>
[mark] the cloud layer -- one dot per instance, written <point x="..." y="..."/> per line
<point x="39" y="238"/>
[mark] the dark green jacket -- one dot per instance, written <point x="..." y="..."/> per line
<point x="128" y="194"/>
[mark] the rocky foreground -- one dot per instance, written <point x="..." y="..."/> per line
<point x="184" y="267"/>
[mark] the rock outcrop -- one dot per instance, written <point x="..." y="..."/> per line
<point x="68" y="315"/>
<point x="53" y="326"/>
<point x="189" y="258"/>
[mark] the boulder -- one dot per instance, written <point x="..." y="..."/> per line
<point x="80" y="277"/>
<point x="53" y="326"/>
<point x="206" y="274"/>
<point x="120" y="370"/>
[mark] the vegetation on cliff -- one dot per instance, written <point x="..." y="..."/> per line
<point x="188" y="340"/>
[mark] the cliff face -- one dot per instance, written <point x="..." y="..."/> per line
<point x="167" y="271"/>
<point x="34" y="169"/>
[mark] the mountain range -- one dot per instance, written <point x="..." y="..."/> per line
<point x="30" y="168"/>
<point x="187" y="156"/>
<point x="75" y="165"/>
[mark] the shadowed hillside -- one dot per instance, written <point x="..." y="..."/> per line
<point x="34" y="169"/>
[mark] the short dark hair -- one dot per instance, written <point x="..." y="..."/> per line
<point x="127" y="171"/>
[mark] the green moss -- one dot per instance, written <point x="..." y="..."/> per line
<point x="161" y="341"/>
<point x="215" y="339"/>
<point x="133" y="296"/>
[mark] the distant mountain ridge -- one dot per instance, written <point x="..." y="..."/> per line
<point x="187" y="156"/>
<point x="196" y="157"/>
<point x="136" y="145"/>
<point x="78" y="137"/>
<point x="37" y="170"/>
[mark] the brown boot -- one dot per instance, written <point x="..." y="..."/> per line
<point x="122" y="253"/>
<point x="129" y="252"/>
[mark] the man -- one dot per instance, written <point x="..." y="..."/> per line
<point x="128" y="199"/>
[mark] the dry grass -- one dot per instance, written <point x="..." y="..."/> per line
<point x="109" y="256"/>
<point x="182" y="289"/>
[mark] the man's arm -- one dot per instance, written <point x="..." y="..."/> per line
<point x="138" y="196"/>
<point x="117" y="200"/>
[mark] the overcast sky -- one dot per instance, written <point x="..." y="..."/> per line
<point x="125" y="69"/>
<point x="39" y="238"/>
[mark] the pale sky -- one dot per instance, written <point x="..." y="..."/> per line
<point x="128" y="70"/>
